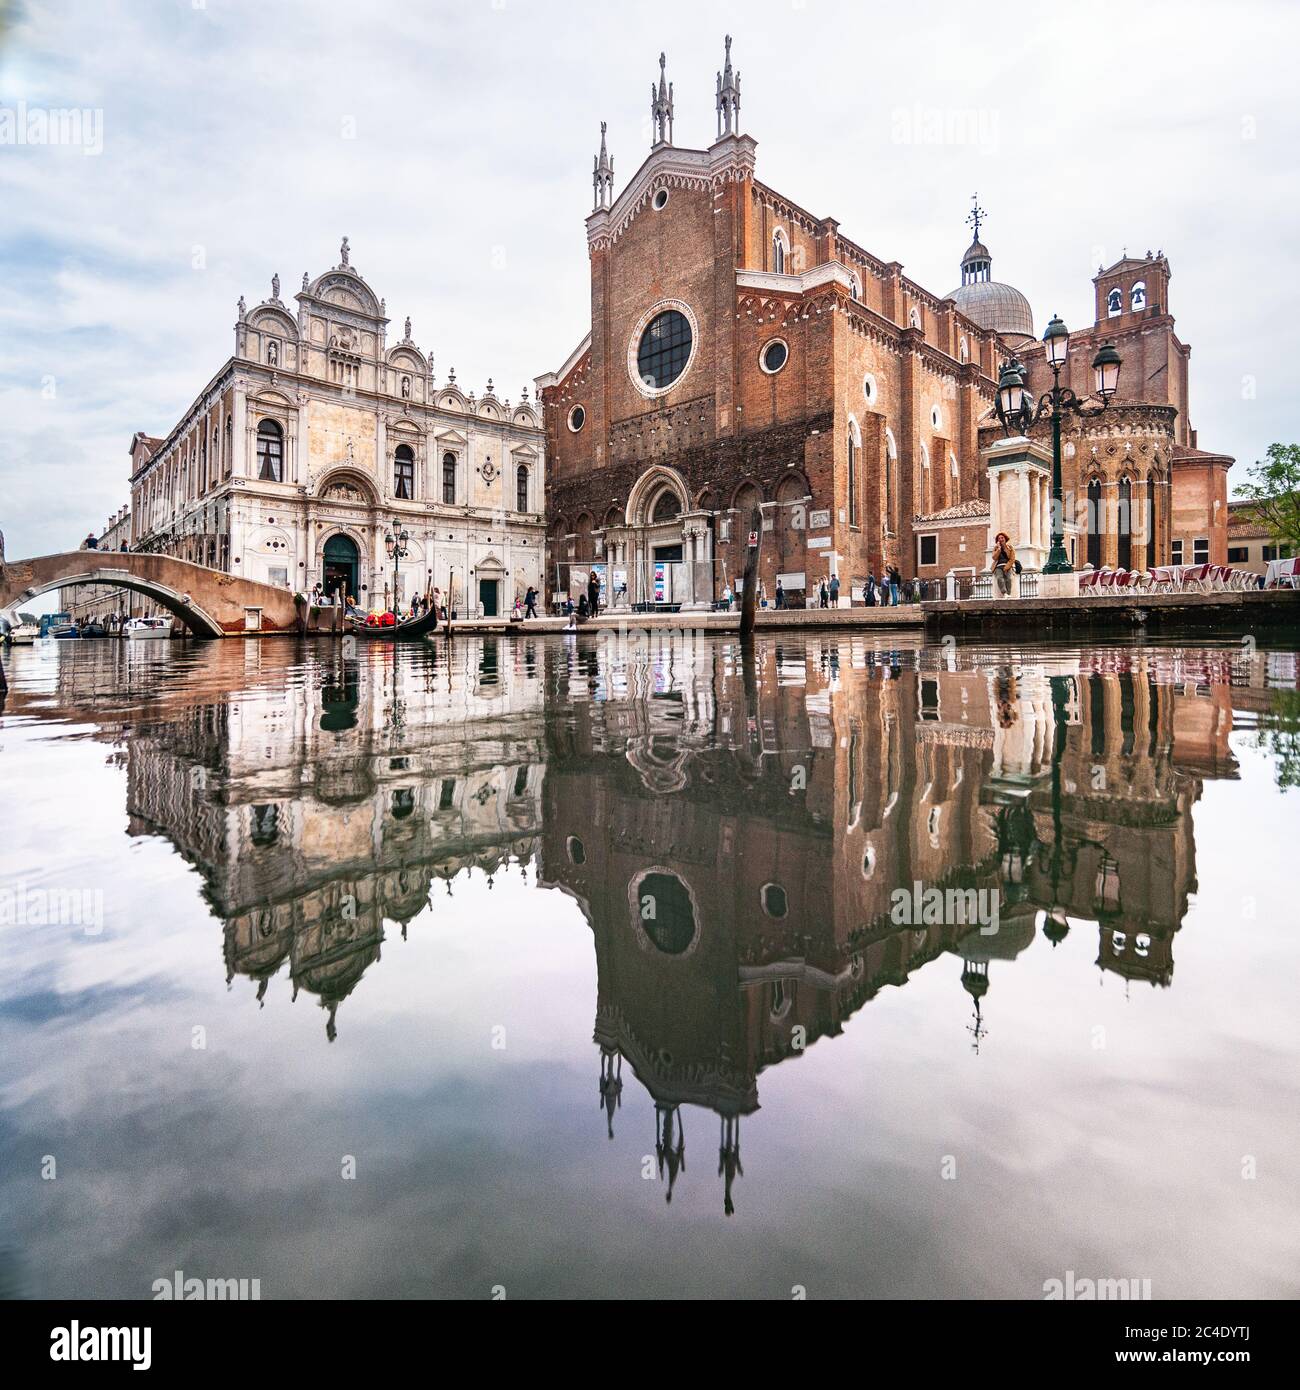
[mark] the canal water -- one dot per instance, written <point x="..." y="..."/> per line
<point x="611" y="965"/>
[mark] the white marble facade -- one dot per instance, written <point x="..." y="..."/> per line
<point x="318" y="433"/>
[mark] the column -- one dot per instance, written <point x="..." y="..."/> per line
<point x="1023" y="478"/>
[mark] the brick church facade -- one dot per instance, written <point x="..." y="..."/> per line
<point x="744" y="353"/>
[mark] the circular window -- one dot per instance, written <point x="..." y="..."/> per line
<point x="660" y="200"/>
<point x="936" y="419"/>
<point x="666" y="913"/>
<point x="774" y="356"/>
<point x="774" y="900"/>
<point x="869" y="388"/>
<point x="663" y="351"/>
<point x="577" y="418"/>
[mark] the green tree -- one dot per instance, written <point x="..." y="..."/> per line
<point x="1274" y="489"/>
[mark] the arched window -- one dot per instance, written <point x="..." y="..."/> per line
<point x="404" y="472"/>
<point x="1138" y="296"/>
<point x="855" y="287"/>
<point x="1124" y="522"/>
<point x="914" y="318"/>
<point x="270" y="452"/>
<point x="521" y="488"/>
<point x="853" y="478"/>
<point x="1114" y="303"/>
<point x="449" y="479"/>
<point x="1094" y="522"/>
<point x="667" y="506"/>
<point x="778" y="252"/>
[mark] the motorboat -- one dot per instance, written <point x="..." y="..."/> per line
<point x="24" y="634"/>
<point x="148" y="629"/>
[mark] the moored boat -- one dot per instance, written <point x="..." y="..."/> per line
<point x="24" y="634"/>
<point x="148" y="629"/>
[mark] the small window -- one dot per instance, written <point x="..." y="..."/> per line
<point x="914" y="318"/>
<point x="1238" y="554"/>
<point x="521" y="488"/>
<point x="404" y="472"/>
<point x="449" y="479"/>
<point x="774" y="357"/>
<point x="660" y="200"/>
<point x="928" y="553"/>
<point x="1114" y="303"/>
<point x="774" y="900"/>
<point x="855" y="287"/>
<point x="1176" y="552"/>
<point x="1138" y="297"/>
<point x="270" y="452"/>
<point x="577" y="418"/>
<point x="1277" y="552"/>
<point x="1201" y="550"/>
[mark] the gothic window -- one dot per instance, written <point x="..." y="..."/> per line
<point x="855" y="288"/>
<point x="1094" y="520"/>
<point x="270" y="452"/>
<point x="914" y="318"/>
<point x="667" y="506"/>
<point x="449" y="479"/>
<point x="1138" y="296"/>
<point x="404" y="472"/>
<point x="521" y="488"/>
<point x="778" y="252"/>
<point x="1124" y="557"/>
<point x="1114" y="303"/>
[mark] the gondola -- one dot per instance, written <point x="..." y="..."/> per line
<point x="412" y="630"/>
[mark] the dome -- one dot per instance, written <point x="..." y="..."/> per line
<point x="999" y="307"/>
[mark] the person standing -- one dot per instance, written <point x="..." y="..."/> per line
<point x="780" y="594"/>
<point x="1004" y="563"/>
<point x="593" y="593"/>
<point x="835" y="591"/>
<point x="895" y="579"/>
<point x="869" y="591"/>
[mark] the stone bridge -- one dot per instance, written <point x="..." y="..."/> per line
<point x="208" y="602"/>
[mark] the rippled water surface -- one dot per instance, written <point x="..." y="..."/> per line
<point x="577" y="967"/>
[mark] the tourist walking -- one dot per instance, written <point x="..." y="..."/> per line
<point x="1004" y="562"/>
<point x="530" y="603"/>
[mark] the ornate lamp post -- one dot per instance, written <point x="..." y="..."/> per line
<point x="1018" y="414"/>
<point x="395" y="544"/>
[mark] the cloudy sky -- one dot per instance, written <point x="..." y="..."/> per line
<point x="452" y="142"/>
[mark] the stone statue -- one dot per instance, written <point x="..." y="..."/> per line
<point x="343" y="252"/>
<point x="408" y="328"/>
<point x="275" y="286"/>
<point x="243" y="307"/>
<point x="304" y="279"/>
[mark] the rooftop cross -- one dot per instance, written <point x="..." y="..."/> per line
<point x="975" y="216"/>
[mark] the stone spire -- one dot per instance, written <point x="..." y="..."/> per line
<point x="728" y="98"/>
<point x="661" y="107"/>
<point x="602" y="177"/>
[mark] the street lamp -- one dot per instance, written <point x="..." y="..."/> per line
<point x="395" y="543"/>
<point x="1018" y="413"/>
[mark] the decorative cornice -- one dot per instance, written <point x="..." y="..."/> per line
<point x="730" y="159"/>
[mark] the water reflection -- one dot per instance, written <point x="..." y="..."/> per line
<point x="766" y="806"/>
